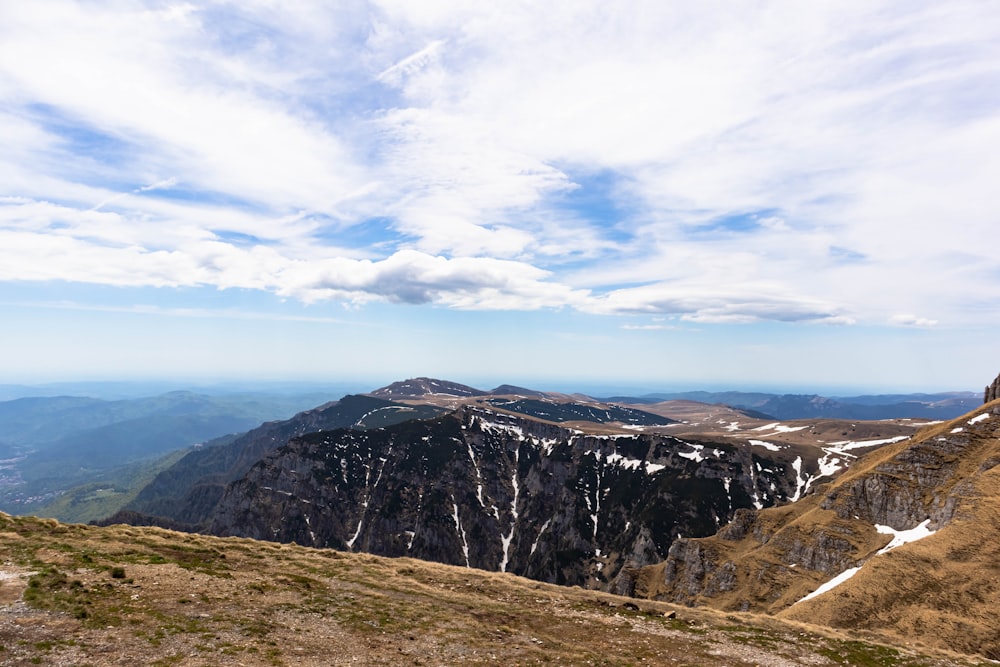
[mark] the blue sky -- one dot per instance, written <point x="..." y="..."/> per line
<point x="649" y="194"/>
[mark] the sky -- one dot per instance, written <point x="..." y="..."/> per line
<point x="660" y="195"/>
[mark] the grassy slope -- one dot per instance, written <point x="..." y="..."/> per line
<point x="144" y="596"/>
<point x="941" y="591"/>
<point x="944" y="588"/>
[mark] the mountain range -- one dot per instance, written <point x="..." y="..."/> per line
<point x="560" y="488"/>
<point x="886" y="525"/>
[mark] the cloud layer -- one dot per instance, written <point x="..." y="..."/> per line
<point x="831" y="162"/>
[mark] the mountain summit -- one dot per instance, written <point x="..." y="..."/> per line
<point x="422" y="386"/>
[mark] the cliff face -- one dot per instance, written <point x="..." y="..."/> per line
<point x="992" y="392"/>
<point x="501" y="492"/>
<point x="942" y="589"/>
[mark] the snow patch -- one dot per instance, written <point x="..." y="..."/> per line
<point x="766" y="445"/>
<point x="901" y="537"/>
<point x="534" y="545"/>
<point x="847" y="445"/>
<point x="479" y="477"/>
<point x="979" y="418"/>
<point x="778" y="427"/>
<point x="619" y="460"/>
<point x="833" y="583"/>
<point x="695" y="455"/>
<point x="800" y="481"/>
<point x="505" y="540"/>
<point x="461" y="532"/>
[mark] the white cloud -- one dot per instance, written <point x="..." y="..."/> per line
<point x="827" y="162"/>
<point x="409" y="276"/>
<point x="727" y="304"/>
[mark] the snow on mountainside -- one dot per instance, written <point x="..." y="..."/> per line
<point x="500" y="491"/>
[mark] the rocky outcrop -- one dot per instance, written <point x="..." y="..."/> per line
<point x="992" y="392"/>
<point x="501" y="492"/>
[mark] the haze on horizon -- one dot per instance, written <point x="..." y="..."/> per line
<point x="649" y="194"/>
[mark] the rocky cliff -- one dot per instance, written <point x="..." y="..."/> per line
<point x="992" y="391"/>
<point x="498" y="491"/>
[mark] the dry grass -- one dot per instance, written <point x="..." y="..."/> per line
<point x="80" y="595"/>
<point x="942" y="591"/>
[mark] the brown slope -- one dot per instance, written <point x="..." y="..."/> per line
<point x="943" y="590"/>
<point x="128" y="596"/>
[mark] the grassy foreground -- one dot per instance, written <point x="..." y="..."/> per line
<point x="122" y="595"/>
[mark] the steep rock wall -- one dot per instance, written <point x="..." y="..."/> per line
<point x="501" y="492"/>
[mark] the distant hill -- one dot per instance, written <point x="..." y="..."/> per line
<point x="568" y="411"/>
<point x="52" y="444"/>
<point x="514" y="390"/>
<point x="810" y="406"/>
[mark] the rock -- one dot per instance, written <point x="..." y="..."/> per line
<point x="992" y="391"/>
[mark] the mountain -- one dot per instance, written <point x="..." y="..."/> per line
<point x="507" y="492"/>
<point x="186" y="493"/>
<point x="423" y="387"/>
<point x="942" y="485"/>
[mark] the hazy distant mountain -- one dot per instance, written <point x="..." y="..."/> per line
<point x="946" y="405"/>
<point x="51" y="444"/>
<point x="564" y="411"/>
<point x="514" y="390"/>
